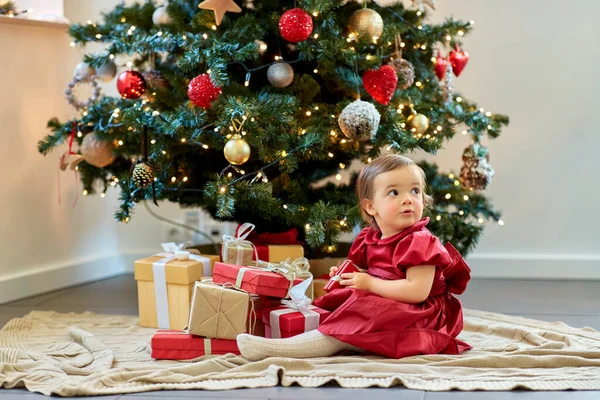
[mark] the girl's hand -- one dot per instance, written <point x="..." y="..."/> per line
<point x="357" y="280"/>
<point x="333" y="270"/>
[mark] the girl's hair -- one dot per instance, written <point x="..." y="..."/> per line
<point x="364" y="183"/>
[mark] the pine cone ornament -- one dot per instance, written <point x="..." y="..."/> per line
<point x="155" y="79"/>
<point x="405" y="71"/>
<point x="143" y="175"/>
<point x="476" y="173"/>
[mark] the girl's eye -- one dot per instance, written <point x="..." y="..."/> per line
<point x="393" y="192"/>
<point x="416" y="190"/>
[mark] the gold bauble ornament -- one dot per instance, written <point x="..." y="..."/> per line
<point x="418" y="122"/>
<point x="366" y="22"/>
<point x="237" y="150"/>
<point x="97" y="152"/>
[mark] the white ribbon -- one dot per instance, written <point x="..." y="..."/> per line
<point x="207" y="347"/>
<point x="298" y="302"/>
<point x="172" y="251"/>
<point x="238" y="241"/>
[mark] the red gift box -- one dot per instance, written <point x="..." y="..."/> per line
<point x="253" y="280"/>
<point x="334" y="283"/>
<point x="284" y="322"/>
<point x="176" y="345"/>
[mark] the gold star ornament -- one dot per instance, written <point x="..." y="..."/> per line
<point x="220" y="7"/>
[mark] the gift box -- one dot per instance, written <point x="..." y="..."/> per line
<point x="165" y="286"/>
<point x="177" y="345"/>
<point x="278" y="252"/>
<point x="334" y="282"/>
<point x="236" y="249"/>
<point x="322" y="266"/>
<point x="319" y="285"/>
<point x="254" y="280"/>
<point x="218" y="311"/>
<point x="284" y="322"/>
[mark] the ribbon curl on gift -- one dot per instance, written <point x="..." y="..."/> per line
<point x="240" y="242"/>
<point x="298" y="302"/>
<point x="172" y="251"/>
<point x="299" y="268"/>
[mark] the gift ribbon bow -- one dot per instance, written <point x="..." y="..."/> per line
<point x="172" y="251"/>
<point x="298" y="302"/>
<point x="299" y="268"/>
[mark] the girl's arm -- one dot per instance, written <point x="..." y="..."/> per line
<point x="414" y="289"/>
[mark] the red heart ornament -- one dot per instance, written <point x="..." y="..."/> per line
<point x="441" y="64"/>
<point x="381" y="83"/>
<point x="458" y="59"/>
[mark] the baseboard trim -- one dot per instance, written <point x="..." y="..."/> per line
<point x="60" y="276"/>
<point x="484" y="266"/>
<point x="535" y="266"/>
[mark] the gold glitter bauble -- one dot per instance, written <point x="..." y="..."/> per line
<point x="237" y="151"/>
<point x="280" y="74"/>
<point x="418" y="122"/>
<point x="366" y="22"/>
<point x="96" y="152"/>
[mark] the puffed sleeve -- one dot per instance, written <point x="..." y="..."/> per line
<point x="420" y="248"/>
<point x="357" y="253"/>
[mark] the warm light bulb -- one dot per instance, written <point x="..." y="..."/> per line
<point x="285" y="207"/>
<point x="330" y="155"/>
<point x="102" y="195"/>
<point x="222" y="189"/>
<point x="185" y="178"/>
<point x="448" y="37"/>
<point x="205" y="146"/>
<point x="308" y="113"/>
<point x="214" y="27"/>
<point x="439" y="217"/>
<point x="316" y="36"/>
<point x="466" y="197"/>
<point x="338" y="177"/>
<point x="159" y="34"/>
<point x="307" y="226"/>
<point x="451" y="176"/>
<point x="85" y="192"/>
<point x="500" y="222"/>
<point x="461" y="212"/>
<point x="448" y="195"/>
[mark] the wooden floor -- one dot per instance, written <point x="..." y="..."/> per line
<point x="576" y="303"/>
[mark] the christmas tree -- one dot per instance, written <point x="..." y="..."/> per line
<point x="242" y="109"/>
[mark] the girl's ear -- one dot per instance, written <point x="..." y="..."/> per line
<point x="367" y="205"/>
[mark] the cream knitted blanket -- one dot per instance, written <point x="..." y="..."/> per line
<point x="90" y="354"/>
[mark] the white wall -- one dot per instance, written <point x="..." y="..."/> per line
<point x="535" y="61"/>
<point x="42" y="239"/>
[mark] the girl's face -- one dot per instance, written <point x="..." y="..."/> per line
<point x="397" y="201"/>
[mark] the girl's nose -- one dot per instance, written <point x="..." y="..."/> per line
<point x="407" y="200"/>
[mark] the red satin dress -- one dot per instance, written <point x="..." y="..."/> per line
<point x="391" y="328"/>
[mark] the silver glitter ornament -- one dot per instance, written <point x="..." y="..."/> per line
<point x="84" y="72"/>
<point x="280" y="74"/>
<point x="161" y="17"/>
<point x="107" y="72"/>
<point x="359" y="120"/>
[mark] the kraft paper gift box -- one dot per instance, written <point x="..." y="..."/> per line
<point x="219" y="311"/>
<point x="294" y="316"/>
<point x="165" y="285"/>
<point x="319" y="285"/>
<point x="177" y="345"/>
<point x="246" y="248"/>
<point x="321" y="266"/>
<point x="271" y="281"/>
<point x="237" y="250"/>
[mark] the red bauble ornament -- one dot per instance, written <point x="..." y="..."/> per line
<point x="202" y="92"/>
<point x="295" y="25"/>
<point x="131" y="84"/>
<point x="441" y="64"/>
<point x="459" y="60"/>
<point x="381" y="83"/>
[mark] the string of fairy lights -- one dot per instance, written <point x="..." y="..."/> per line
<point x="183" y="41"/>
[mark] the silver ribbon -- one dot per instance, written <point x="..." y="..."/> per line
<point x="207" y="347"/>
